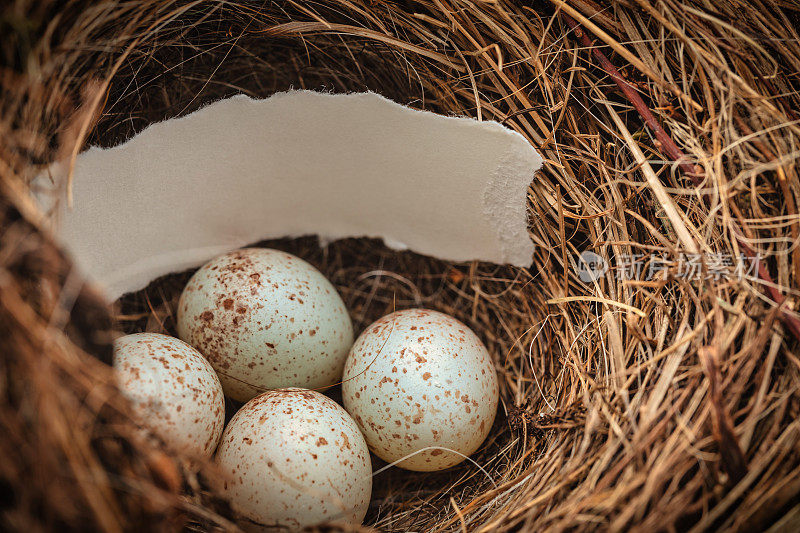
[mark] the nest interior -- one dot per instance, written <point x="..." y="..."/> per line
<point x="637" y="400"/>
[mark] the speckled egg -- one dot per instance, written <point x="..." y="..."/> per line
<point x="173" y="390"/>
<point x="294" y="458"/>
<point x="419" y="379"/>
<point x="265" y="320"/>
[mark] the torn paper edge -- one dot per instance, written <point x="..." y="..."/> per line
<point x="504" y="191"/>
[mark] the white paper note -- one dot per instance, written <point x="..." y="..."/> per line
<point x="298" y="163"/>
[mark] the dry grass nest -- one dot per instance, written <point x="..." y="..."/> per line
<point x="670" y="131"/>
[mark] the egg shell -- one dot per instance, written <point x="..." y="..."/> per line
<point x="294" y="458"/>
<point x="173" y="391"/>
<point x="265" y="319"/>
<point x="416" y="379"/>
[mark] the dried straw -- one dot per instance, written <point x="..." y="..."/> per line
<point x="650" y="404"/>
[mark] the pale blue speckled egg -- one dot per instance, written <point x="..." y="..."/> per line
<point x="294" y="458"/>
<point x="421" y="386"/>
<point x="265" y="319"/>
<point x="173" y="390"/>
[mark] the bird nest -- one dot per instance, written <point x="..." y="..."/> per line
<point x="657" y="391"/>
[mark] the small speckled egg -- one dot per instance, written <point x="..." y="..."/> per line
<point x="173" y="390"/>
<point x="265" y="320"/>
<point x="417" y="379"/>
<point x="294" y="458"/>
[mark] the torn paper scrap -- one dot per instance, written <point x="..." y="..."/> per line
<point x="298" y="163"/>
